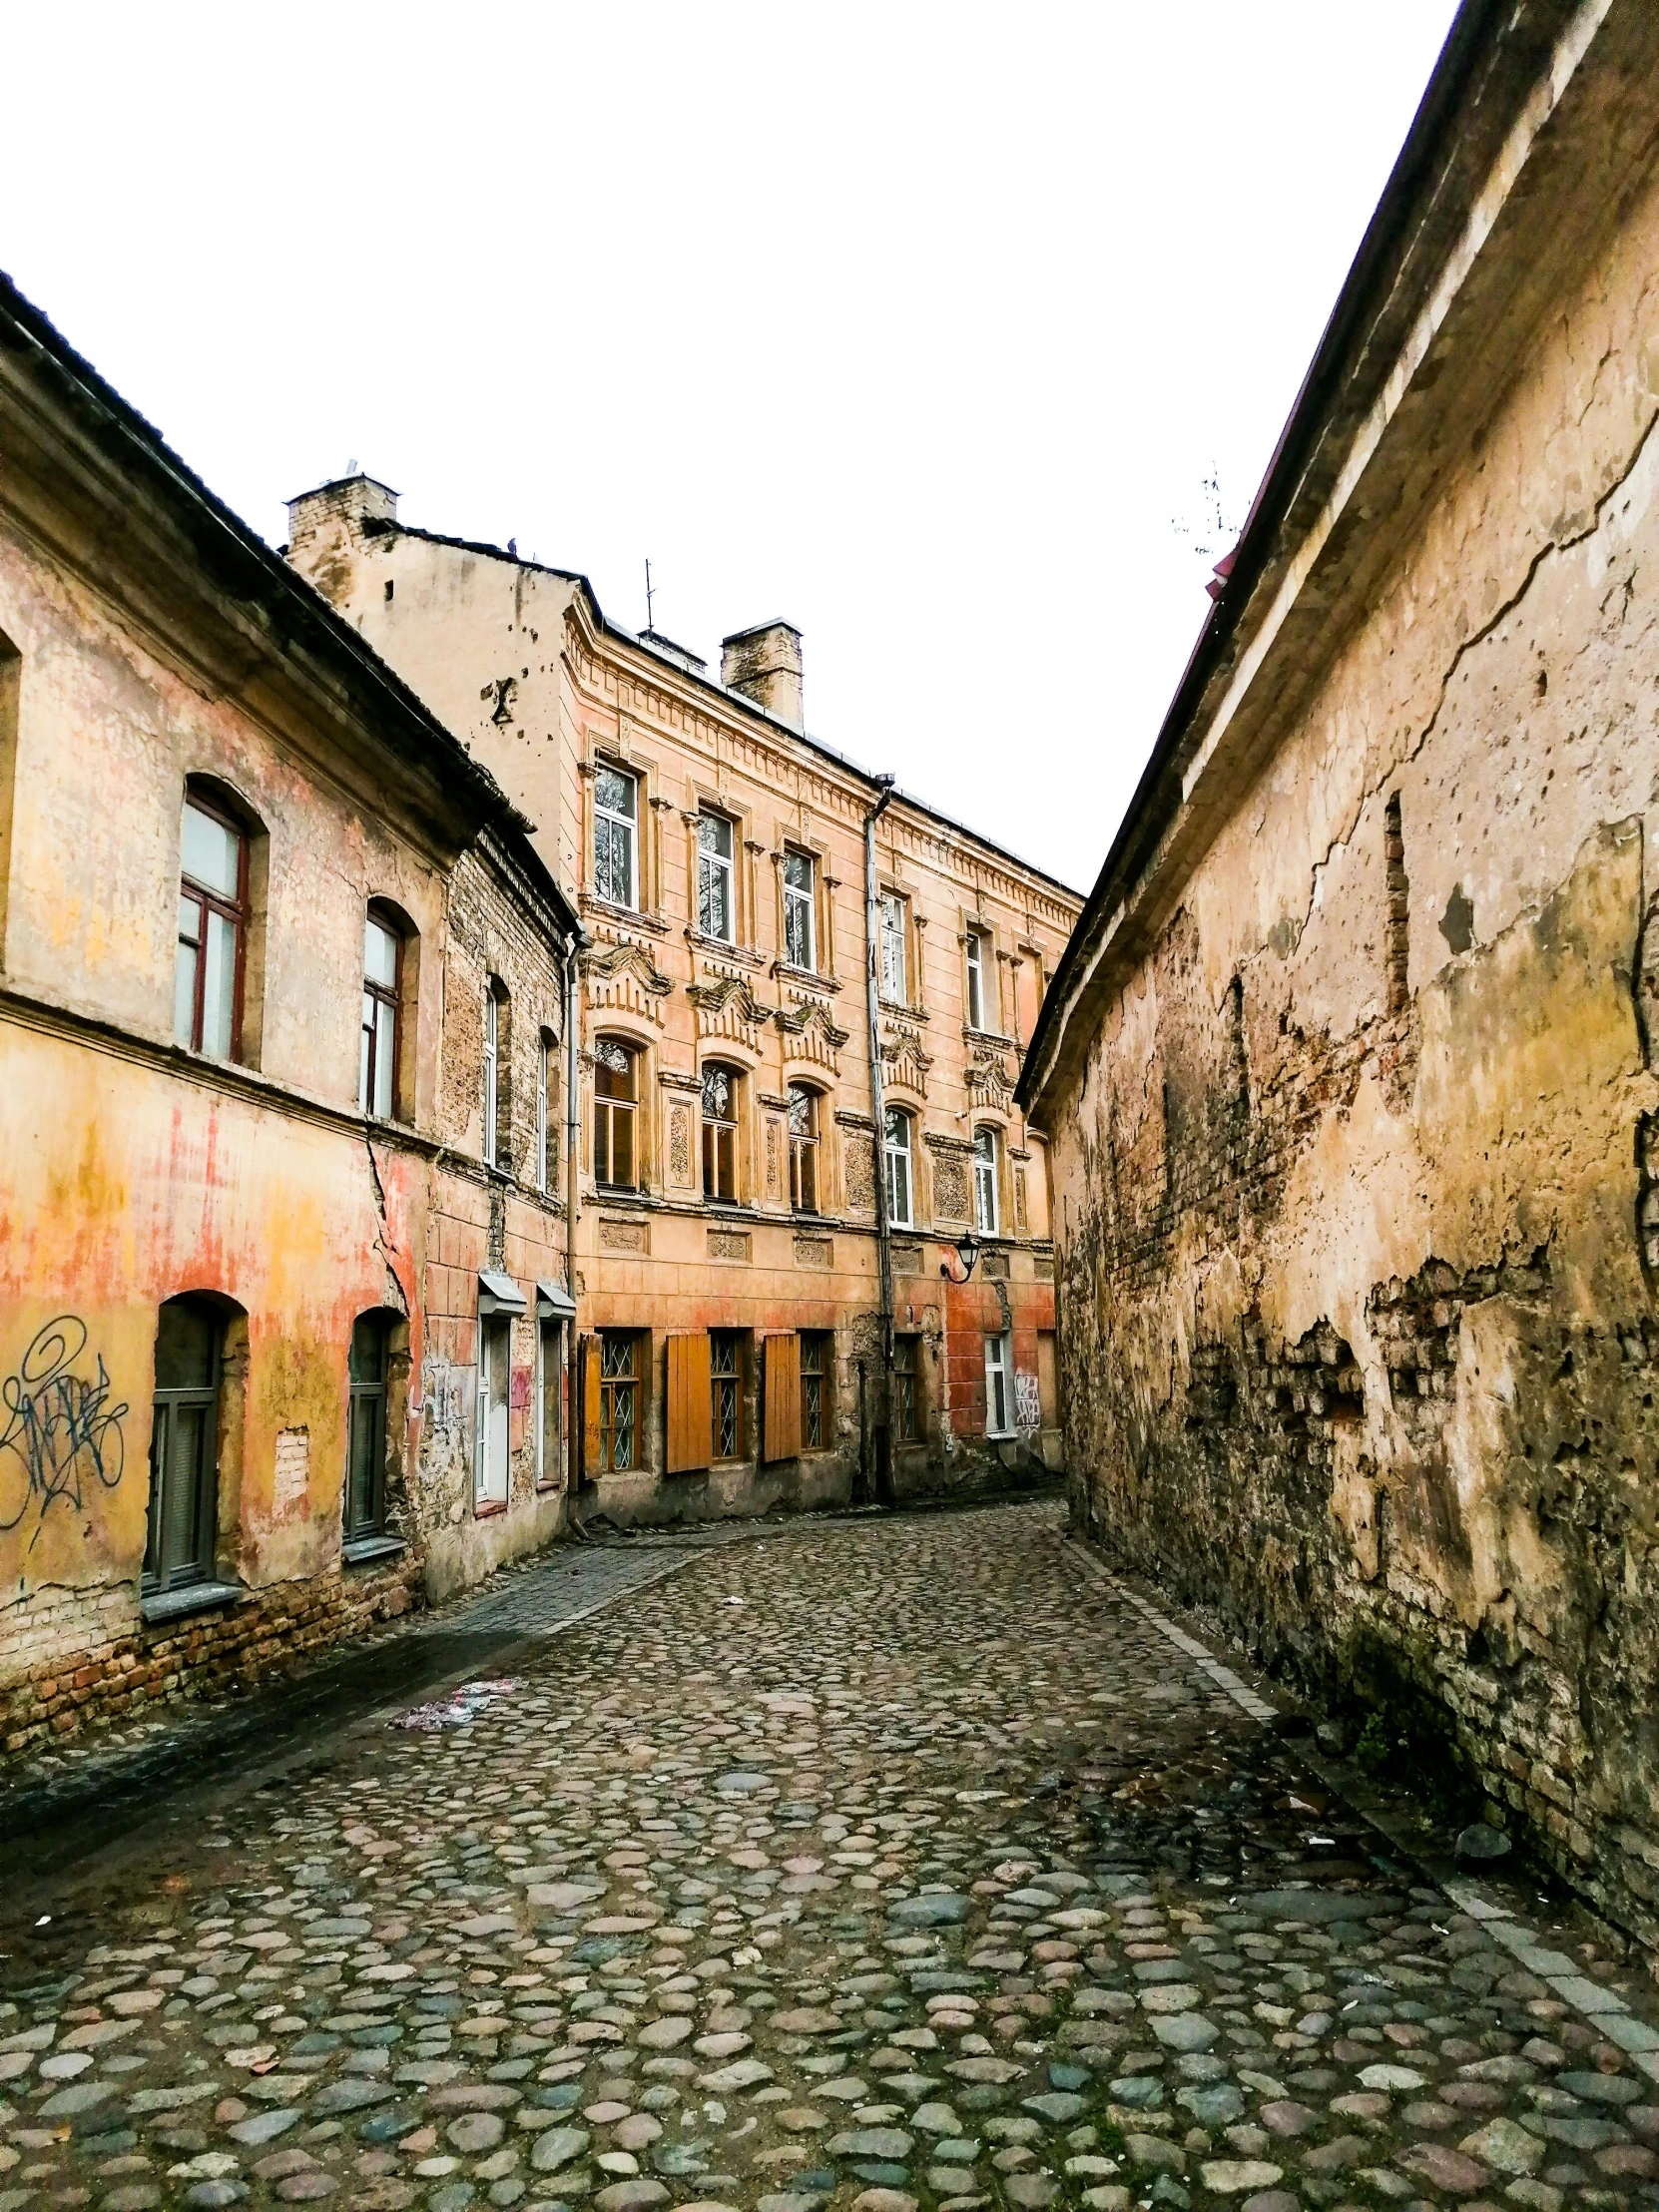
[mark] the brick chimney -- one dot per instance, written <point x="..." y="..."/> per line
<point x="764" y="664"/>
<point x="343" y="507"/>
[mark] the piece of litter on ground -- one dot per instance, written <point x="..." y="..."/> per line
<point x="460" y="1708"/>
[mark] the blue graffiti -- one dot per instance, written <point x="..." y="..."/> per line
<point x="61" y="1435"/>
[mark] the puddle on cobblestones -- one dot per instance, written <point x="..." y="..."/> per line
<point x="930" y="1876"/>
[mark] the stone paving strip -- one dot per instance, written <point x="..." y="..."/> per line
<point x="868" y="1865"/>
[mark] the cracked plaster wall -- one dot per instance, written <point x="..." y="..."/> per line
<point x="1357" y="1327"/>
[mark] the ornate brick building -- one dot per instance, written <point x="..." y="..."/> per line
<point x="730" y="1188"/>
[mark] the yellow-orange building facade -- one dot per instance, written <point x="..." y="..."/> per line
<point x="280" y="971"/>
<point x="727" y="1242"/>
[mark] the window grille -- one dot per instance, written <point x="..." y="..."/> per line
<point x="724" y="1375"/>
<point x="906" y="1411"/>
<point x="815" y="1366"/>
<point x="618" y="1399"/>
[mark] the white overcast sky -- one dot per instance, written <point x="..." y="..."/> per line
<point x="917" y="326"/>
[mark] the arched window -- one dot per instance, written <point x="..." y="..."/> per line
<point x="212" y="952"/>
<point x="984" y="1182"/>
<point x="720" y="1131"/>
<point x="897" y="1147"/>
<point x="803" y="1148"/>
<point x="366" y="1450"/>
<point x="616" y="1090"/>
<point x="383" y="997"/>
<point x="183" y="1520"/>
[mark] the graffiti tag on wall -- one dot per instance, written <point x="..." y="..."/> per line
<point x="61" y="1436"/>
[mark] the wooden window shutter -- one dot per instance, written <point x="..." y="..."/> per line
<point x="783" y="1398"/>
<point x="589" y="1378"/>
<point x="690" y="1436"/>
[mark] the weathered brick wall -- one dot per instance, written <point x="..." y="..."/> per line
<point x="1354" y="1192"/>
<point x="110" y="1666"/>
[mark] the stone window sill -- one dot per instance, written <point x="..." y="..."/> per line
<point x="195" y="1597"/>
<point x="487" y="1507"/>
<point x="368" y="1551"/>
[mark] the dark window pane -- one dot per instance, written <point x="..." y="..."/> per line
<point x="369" y="1350"/>
<point x="187" y="1345"/>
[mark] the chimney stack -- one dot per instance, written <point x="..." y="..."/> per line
<point x="350" y="503"/>
<point x="764" y="664"/>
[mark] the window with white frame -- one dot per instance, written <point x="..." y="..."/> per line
<point x="800" y="934"/>
<point x="716" y="879"/>
<point x="495" y="1337"/>
<point x="616" y="806"/>
<point x="984" y="1182"/>
<point x="999" y="1404"/>
<point x="892" y="948"/>
<point x="976" y="956"/>
<point x="378" y="1044"/>
<point x="897" y="1149"/>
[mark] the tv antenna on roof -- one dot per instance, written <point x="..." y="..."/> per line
<point x="650" y="622"/>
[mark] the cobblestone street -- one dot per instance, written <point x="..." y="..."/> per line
<point x="879" y="1863"/>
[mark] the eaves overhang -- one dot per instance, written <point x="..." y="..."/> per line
<point x="1506" y="175"/>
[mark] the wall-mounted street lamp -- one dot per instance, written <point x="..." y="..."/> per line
<point x="967" y="1251"/>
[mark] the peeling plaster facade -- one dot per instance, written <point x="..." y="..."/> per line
<point x="149" y="647"/>
<point x="520" y="662"/>
<point x="1349" y="1073"/>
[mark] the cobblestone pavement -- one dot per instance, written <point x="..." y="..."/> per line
<point x="64" y="1800"/>
<point x="865" y="1865"/>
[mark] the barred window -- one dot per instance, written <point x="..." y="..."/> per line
<point x="726" y="1378"/>
<point x="816" y="1356"/>
<point x="618" y="1399"/>
<point x="906" y="1410"/>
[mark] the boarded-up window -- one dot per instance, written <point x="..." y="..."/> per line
<point x="783" y="1398"/>
<point x="690" y="1432"/>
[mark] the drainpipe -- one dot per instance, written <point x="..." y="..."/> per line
<point x="883" y="1228"/>
<point x="573" y="949"/>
